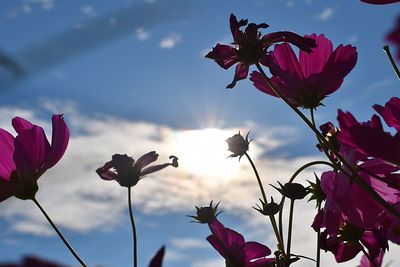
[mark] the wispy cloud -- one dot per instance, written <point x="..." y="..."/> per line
<point x="170" y="41"/>
<point x="142" y="34"/>
<point x="88" y="10"/>
<point x="188" y="243"/>
<point x="380" y="85"/>
<point x="326" y="14"/>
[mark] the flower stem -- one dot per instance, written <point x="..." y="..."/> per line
<point x="289" y="239"/>
<point x="318" y="242"/>
<point x="390" y="57"/>
<point x="59" y="233"/>
<point x="272" y="218"/>
<point x="133" y="228"/>
<point x="354" y="176"/>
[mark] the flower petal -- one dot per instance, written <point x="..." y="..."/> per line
<point x="254" y="250"/>
<point x="145" y="160"/>
<point x="380" y="2"/>
<point x="241" y="72"/>
<point x="31" y="151"/>
<point x="105" y="173"/>
<point x="7" y="189"/>
<point x="156" y="261"/>
<point x="7" y="164"/>
<point x="224" y="55"/>
<point x="304" y="43"/>
<point x="59" y="140"/>
<point x="156" y="168"/>
<point x="20" y="124"/>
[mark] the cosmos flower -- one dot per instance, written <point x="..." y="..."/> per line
<point x="238" y="253"/>
<point x="157" y="260"/>
<point x="238" y="145"/>
<point x="394" y="36"/>
<point x="24" y="158"/>
<point x="32" y="261"/>
<point x="250" y="48"/>
<point x="380" y="2"/>
<point x="127" y="172"/>
<point x="306" y="81"/>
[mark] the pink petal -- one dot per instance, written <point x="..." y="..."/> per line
<point x="31" y="151"/>
<point x="380" y="2"/>
<point x="254" y="250"/>
<point x="7" y="165"/>
<point x="145" y="160"/>
<point x="241" y="72"/>
<point x="156" y="261"/>
<point x="314" y="62"/>
<point x="156" y="168"/>
<point x="20" y="124"/>
<point x="7" y="189"/>
<point x="105" y="173"/>
<point x="224" y="55"/>
<point x="59" y="140"/>
<point x="304" y="43"/>
<point x="217" y="245"/>
<point x="391" y="112"/>
<point x="347" y="251"/>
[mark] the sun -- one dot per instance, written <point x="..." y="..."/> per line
<point x="205" y="152"/>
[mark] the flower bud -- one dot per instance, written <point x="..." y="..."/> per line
<point x="316" y="191"/>
<point x="206" y="214"/>
<point x="238" y="145"/>
<point x="292" y="190"/>
<point x="268" y="209"/>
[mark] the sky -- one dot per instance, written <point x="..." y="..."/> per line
<point x="131" y="77"/>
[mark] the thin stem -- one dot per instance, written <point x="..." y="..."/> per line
<point x="133" y="228"/>
<point x="289" y="239"/>
<point x="271" y="217"/>
<point x="318" y="242"/>
<point x="280" y="218"/>
<point x="305" y="166"/>
<point x="354" y="176"/>
<point x="59" y="233"/>
<point x="390" y="57"/>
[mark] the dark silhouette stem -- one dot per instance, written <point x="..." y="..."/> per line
<point x="289" y="239"/>
<point x="134" y="237"/>
<point x="59" y="233"/>
<point x="390" y="57"/>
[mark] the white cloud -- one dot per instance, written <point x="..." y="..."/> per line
<point x="170" y="41"/>
<point x="141" y="34"/>
<point x="209" y="263"/>
<point x="353" y="39"/>
<point x="113" y="22"/>
<point x="45" y="4"/>
<point x="26" y="8"/>
<point x="188" y="243"/>
<point x="379" y="85"/>
<point x="326" y="14"/>
<point x="88" y="10"/>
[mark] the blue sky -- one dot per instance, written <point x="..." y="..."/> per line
<point x="131" y="77"/>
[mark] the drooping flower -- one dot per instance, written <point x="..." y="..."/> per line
<point x="127" y="172"/>
<point x="238" y="253"/>
<point x="306" y="81"/>
<point x="157" y="260"/>
<point x="380" y="2"/>
<point x="394" y="36"/>
<point x="250" y="48"/>
<point x="24" y="158"/>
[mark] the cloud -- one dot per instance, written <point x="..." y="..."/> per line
<point x="141" y="34"/>
<point x="45" y="4"/>
<point x="379" y="85"/>
<point x="209" y="263"/>
<point x="188" y="243"/>
<point x="170" y="41"/>
<point x="88" y="10"/>
<point x="326" y="14"/>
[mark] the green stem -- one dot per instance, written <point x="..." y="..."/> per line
<point x="289" y="239"/>
<point x="354" y="176"/>
<point x="133" y="228"/>
<point x="389" y="55"/>
<point x="272" y="218"/>
<point x="59" y="233"/>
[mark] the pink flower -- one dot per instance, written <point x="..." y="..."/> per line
<point x="26" y="157"/>
<point x="394" y="36"/>
<point x="308" y="80"/>
<point x="31" y="261"/>
<point x="365" y="262"/>
<point x="250" y="48"/>
<point x="231" y="245"/>
<point x="156" y="261"/>
<point x="380" y="2"/>
<point x="127" y="172"/>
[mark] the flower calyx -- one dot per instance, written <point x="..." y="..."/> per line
<point x="206" y="214"/>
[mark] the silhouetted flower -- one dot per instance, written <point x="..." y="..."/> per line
<point x="31" y="261"/>
<point x="380" y="2"/>
<point x="26" y="157"/>
<point x="394" y="36"/>
<point x="238" y="253"/>
<point x="250" y="48"/>
<point x="206" y="214"/>
<point x="238" y="145"/>
<point x="268" y="209"/>
<point x="127" y="172"/>
<point x="156" y="261"/>
<point x="306" y="81"/>
<point x="292" y="190"/>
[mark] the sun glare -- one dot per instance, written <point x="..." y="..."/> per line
<point x="205" y="152"/>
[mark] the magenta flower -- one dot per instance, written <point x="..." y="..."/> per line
<point x="31" y="261"/>
<point x="365" y="262"/>
<point x="380" y="2"/>
<point x="394" y="36"/>
<point x="127" y="172"/>
<point x="238" y="253"/>
<point x="308" y="80"/>
<point x="26" y="157"/>
<point x="156" y="261"/>
<point x="250" y="48"/>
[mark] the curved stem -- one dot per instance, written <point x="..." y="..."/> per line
<point x="305" y="166"/>
<point x="133" y="228"/>
<point x="59" y="233"/>
<point x="390" y="57"/>
<point x="272" y="218"/>
<point x="354" y="176"/>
